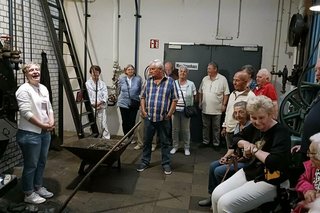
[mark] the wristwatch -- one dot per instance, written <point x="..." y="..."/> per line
<point x="255" y="150"/>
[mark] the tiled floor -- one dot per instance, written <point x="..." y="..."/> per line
<point x="111" y="189"/>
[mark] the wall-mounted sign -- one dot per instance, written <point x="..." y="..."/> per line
<point x="190" y="66"/>
<point x="154" y="43"/>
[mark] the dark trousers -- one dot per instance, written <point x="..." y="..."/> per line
<point x="128" y="116"/>
<point x="163" y="130"/>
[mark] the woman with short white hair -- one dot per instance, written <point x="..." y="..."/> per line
<point x="180" y="122"/>
<point x="308" y="185"/>
<point x="267" y="144"/>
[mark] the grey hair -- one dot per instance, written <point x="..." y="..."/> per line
<point x="315" y="139"/>
<point x="248" y="68"/>
<point x="182" y="67"/>
<point x="27" y="66"/>
<point x="214" y="64"/>
<point x="243" y="105"/>
<point x="265" y="72"/>
<point x="260" y="102"/>
<point x="157" y="63"/>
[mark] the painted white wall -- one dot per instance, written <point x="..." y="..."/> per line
<point x="180" y="21"/>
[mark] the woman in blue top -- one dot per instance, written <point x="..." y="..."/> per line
<point x="180" y="123"/>
<point x="128" y="100"/>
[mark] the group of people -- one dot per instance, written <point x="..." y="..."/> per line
<point x="263" y="163"/>
<point x="253" y="134"/>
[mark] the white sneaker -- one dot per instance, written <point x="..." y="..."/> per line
<point x="137" y="147"/>
<point x="43" y="192"/>
<point x="173" y="151"/>
<point x="187" y="152"/>
<point x="34" y="198"/>
<point x="153" y="148"/>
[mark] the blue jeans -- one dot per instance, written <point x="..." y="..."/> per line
<point x="34" y="149"/>
<point x="217" y="171"/>
<point x="163" y="129"/>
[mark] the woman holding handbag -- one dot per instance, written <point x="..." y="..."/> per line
<point x="128" y="100"/>
<point x="180" y="122"/>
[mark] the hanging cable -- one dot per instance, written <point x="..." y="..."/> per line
<point x="83" y="34"/>
<point x="30" y="29"/>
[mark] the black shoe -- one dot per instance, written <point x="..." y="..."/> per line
<point x="142" y="167"/>
<point x="167" y="170"/>
<point x="205" y="202"/>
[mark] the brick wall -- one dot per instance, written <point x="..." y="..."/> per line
<point x="30" y="36"/>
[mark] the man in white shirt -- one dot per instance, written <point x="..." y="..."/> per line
<point x="213" y="98"/>
<point x="241" y="93"/>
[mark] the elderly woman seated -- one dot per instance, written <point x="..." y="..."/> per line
<point x="308" y="185"/>
<point x="222" y="169"/>
<point x="267" y="143"/>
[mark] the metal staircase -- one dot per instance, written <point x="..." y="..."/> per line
<point x="69" y="68"/>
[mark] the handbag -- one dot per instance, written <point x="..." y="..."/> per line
<point x="189" y="111"/>
<point x="133" y="102"/>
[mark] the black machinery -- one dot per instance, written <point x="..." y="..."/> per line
<point x="9" y="60"/>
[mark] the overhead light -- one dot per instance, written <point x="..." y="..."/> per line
<point x="315" y="6"/>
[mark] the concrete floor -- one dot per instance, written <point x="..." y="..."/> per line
<point x="111" y="189"/>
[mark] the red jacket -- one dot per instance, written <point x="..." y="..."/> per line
<point x="305" y="181"/>
<point x="267" y="90"/>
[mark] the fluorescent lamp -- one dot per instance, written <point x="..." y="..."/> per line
<point x="315" y="6"/>
<point x="181" y="43"/>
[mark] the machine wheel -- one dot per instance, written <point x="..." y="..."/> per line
<point x="295" y="107"/>
<point x="302" y="83"/>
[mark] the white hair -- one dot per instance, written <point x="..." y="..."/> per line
<point x="266" y="73"/>
<point x="315" y="139"/>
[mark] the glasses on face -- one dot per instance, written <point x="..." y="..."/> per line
<point x="311" y="154"/>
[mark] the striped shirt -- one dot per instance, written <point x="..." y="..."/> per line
<point x="159" y="97"/>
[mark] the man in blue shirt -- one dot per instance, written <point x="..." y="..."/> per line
<point x="159" y="98"/>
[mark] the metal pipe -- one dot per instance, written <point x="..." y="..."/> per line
<point x="279" y="37"/>
<point x="60" y="88"/>
<point x="10" y="11"/>
<point x="23" y="38"/>
<point x="288" y="24"/>
<point x="30" y="28"/>
<point x="137" y="35"/>
<point x="239" y="18"/>
<point x="85" y="39"/>
<point x="115" y="31"/>
<point x="218" y="19"/>
<point x="275" y="40"/>
<point x="15" y="25"/>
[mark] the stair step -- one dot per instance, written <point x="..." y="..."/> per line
<point x="74" y="78"/>
<point x="87" y="124"/>
<point x="53" y="5"/>
<point x="53" y="11"/>
<point x="86" y="113"/>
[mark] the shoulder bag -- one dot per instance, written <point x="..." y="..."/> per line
<point x="133" y="102"/>
<point x="189" y="111"/>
